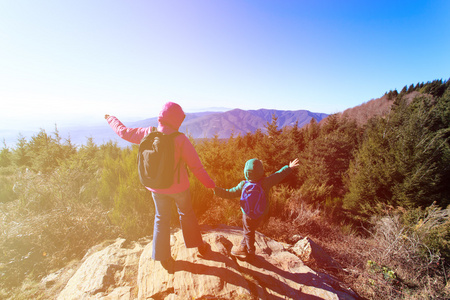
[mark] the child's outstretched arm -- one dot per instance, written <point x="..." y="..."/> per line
<point x="229" y="193"/>
<point x="278" y="176"/>
<point x="294" y="163"/>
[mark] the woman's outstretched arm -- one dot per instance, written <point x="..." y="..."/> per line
<point x="132" y="135"/>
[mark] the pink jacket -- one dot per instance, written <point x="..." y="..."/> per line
<point x="169" y="120"/>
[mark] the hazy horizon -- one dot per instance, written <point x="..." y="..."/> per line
<point x="72" y="62"/>
<point x="10" y="136"/>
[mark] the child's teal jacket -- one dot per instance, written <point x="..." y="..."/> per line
<point x="254" y="172"/>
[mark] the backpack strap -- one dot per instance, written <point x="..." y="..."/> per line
<point x="178" y="167"/>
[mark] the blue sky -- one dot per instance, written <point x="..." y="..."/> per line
<point x="70" y="62"/>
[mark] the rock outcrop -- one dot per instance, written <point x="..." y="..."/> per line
<point x="308" y="251"/>
<point x="126" y="271"/>
<point x="109" y="273"/>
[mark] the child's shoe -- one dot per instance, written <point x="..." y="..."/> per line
<point x="240" y="252"/>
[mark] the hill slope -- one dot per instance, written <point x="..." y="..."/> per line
<point x="375" y="107"/>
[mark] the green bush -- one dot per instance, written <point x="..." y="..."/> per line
<point x="6" y="187"/>
<point x="411" y="249"/>
<point x="54" y="215"/>
<point x="47" y="227"/>
<point x="120" y="191"/>
<point x="430" y="226"/>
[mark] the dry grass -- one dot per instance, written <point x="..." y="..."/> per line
<point x="41" y="233"/>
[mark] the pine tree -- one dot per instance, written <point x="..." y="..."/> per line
<point x="327" y="158"/>
<point x="295" y="140"/>
<point x="46" y="151"/>
<point x="21" y="157"/>
<point x="312" y="130"/>
<point x="272" y="128"/>
<point x="5" y="156"/>
<point x="403" y="92"/>
<point x="271" y="148"/>
<point x="403" y="160"/>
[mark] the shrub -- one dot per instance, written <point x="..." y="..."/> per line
<point x="431" y="226"/>
<point x="6" y="186"/>
<point x="45" y="233"/>
<point x="54" y="217"/>
<point x="408" y="257"/>
<point x="120" y="191"/>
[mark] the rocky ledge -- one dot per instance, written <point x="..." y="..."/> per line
<point x="125" y="270"/>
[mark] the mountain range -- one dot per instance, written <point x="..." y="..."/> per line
<point x="202" y="124"/>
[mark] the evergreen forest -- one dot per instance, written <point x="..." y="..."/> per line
<point x="374" y="194"/>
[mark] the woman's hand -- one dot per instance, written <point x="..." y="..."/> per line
<point x="293" y="163"/>
<point x="106" y="116"/>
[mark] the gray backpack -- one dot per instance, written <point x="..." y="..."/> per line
<point x="156" y="159"/>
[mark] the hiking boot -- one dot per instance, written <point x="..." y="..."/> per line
<point x="168" y="265"/>
<point x="240" y="252"/>
<point x="203" y="249"/>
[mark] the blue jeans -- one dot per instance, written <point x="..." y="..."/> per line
<point x="188" y="221"/>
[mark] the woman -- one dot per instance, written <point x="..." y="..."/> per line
<point x="169" y="121"/>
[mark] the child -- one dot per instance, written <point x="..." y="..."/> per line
<point x="252" y="212"/>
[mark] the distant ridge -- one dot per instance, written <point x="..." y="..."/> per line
<point x="237" y="121"/>
<point x="203" y="124"/>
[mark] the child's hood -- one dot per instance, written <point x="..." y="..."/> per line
<point x="253" y="170"/>
<point x="171" y="115"/>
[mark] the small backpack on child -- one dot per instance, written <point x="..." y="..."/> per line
<point x="156" y="159"/>
<point x="253" y="199"/>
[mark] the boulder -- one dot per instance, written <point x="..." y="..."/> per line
<point x="309" y="252"/>
<point x="105" y="274"/>
<point x="121" y="271"/>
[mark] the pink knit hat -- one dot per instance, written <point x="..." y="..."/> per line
<point x="171" y="115"/>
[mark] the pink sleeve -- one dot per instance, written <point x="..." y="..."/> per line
<point x="133" y="135"/>
<point x="190" y="156"/>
